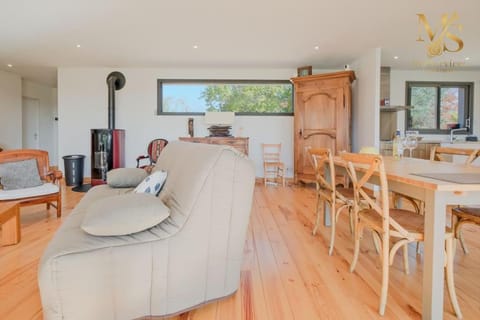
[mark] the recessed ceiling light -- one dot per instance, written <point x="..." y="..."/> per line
<point x="316" y="48"/>
<point x="10" y="65"/>
<point x="78" y="46"/>
<point x="396" y="57"/>
<point x="195" y="46"/>
<point x="467" y="58"/>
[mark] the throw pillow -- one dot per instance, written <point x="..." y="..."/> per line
<point x="20" y="174"/>
<point x="124" y="214"/>
<point x="153" y="183"/>
<point x="125" y="177"/>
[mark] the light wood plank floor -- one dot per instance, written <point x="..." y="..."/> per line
<point x="287" y="273"/>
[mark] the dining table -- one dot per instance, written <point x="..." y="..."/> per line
<point x="438" y="184"/>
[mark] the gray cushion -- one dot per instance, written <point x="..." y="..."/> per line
<point x="125" y="177"/>
<point x="124" y="214"/>
<point x="19" y="174"/>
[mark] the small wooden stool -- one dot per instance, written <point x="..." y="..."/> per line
<point x="10" y="222"/>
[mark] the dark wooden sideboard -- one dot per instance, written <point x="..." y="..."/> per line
<point x="239" y="143"/>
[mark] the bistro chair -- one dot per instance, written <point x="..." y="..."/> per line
<point x="446" y="154"/>
<point x="273" y="167"/>
<point x="394" y="227"/>
<point x="461" y="216"/>
<point x="154" y="149"/>
<point x="338" y="198"/>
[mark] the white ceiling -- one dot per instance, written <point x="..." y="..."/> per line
<point x="36" y="37"/>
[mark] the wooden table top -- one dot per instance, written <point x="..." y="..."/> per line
<point x="404" y="170"/>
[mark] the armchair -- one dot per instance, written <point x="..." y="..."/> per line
<point x="153" y="152"/>
<point x="49" y="192"/>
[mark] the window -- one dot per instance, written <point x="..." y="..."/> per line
<point x="439" y="106"/>
<point x="243" y="97"/>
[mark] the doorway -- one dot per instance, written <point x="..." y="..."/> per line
<point x="30" y="123"/>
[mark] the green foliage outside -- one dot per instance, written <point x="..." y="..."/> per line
<point x="424" y="102"/>
<point x="249" y="98"/>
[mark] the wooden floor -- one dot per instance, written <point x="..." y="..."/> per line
<point x="287" y="273"/>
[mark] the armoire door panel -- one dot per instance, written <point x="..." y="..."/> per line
<point x="320" y="111"/>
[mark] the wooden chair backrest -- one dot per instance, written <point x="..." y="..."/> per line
<point x="155" y="147"/>
<point x="371" y="164"/>
<point x="438" y="154"/>
<point x="271" y="152"/>
<point x="24" y="154"/>
<point x="322" y="158"/>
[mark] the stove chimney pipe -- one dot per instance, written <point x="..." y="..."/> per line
<point x="115" y="81"/>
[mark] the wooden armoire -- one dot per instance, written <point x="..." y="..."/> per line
<point x="323" y="104"/>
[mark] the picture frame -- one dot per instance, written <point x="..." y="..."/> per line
<point x="304" y="71"/>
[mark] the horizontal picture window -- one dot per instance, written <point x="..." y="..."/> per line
<point x="244" y="97"/>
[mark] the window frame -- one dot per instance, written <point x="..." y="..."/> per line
<point x="469" y="89"/>
<point x="160" y="82"/>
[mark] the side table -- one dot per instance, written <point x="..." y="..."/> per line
<point x="10" y="222"/>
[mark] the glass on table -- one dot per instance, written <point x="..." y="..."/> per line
<point x="411" y="141"/>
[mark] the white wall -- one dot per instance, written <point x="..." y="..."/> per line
<point x="366" y="97"/>
<point x="82" y="105"/>
<point x="398" y="78"/>
<point x="10" y="110"/>
<point x="47" y="111"/>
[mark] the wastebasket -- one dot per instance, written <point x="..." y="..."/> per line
<point x="74" y="169"/>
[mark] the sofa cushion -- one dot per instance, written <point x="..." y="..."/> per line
<point x="125" y="177"/>
<point x="44" y="189"/>
<point x="153" y="183"/>
<point x="124" y="214"/>
<point x="19" y="174"/>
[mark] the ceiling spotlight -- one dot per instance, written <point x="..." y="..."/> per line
<point x="10" y="65"/>
<point x="396" y="57"/>
<point x="78" y="46"/>
<point x="467" y="58"/>
<point x="195" y="46"/>
<point x="316" y="47"/>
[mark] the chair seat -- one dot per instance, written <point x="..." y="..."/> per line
<point x="472" y="213"/>
<point x="409" y="220"/>
<point x="44" y="189"/>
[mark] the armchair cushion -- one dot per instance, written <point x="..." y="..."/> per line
<point x="125" y="177"/>
<point x="124" y="214"/>
<point x="19" y="174"/>
<point x="153" y="183"/>
<point x="42" y="190"/>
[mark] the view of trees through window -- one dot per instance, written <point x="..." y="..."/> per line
<point x="247" y="97"/>
<point x="438" y="107"/>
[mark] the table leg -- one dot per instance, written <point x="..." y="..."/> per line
<point x="434" y="255"/>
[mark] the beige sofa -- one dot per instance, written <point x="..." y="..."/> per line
<point x="192" y="257"/>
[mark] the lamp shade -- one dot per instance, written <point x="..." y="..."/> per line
<point x="219" y="118"/>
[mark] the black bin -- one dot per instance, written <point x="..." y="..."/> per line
<point x="74" y="169"/>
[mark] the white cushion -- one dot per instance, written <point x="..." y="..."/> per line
<point x="44" y="189"/>
<point x="153" y="183"/>
<point x="124" y="214"/>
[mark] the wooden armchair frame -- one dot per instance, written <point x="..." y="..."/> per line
<point x="46" y="173"/>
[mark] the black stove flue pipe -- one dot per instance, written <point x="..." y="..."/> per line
<point x="115" y="81"/>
